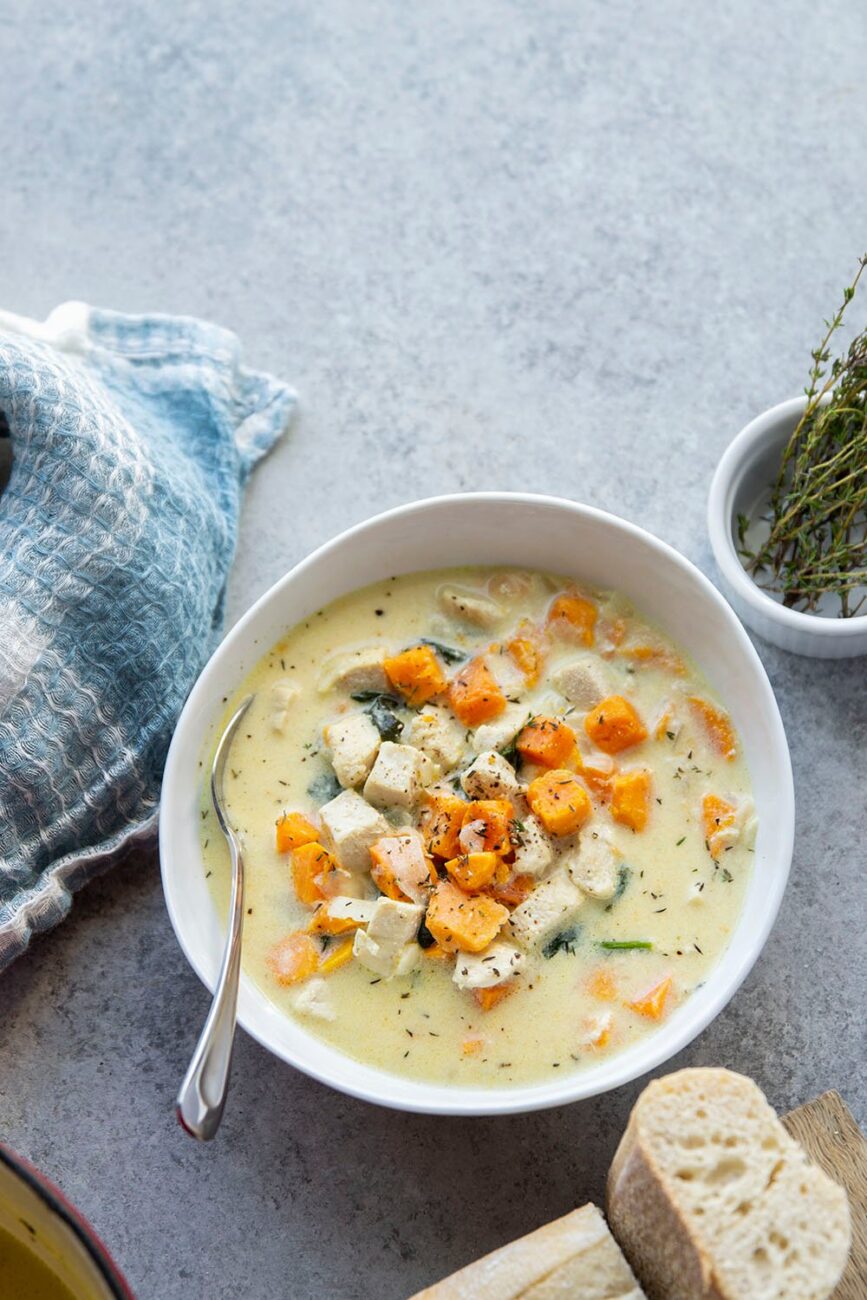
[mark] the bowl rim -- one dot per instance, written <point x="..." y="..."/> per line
<point x="51" y="1195"/>
<point x="463" y="1100"/>
<point x="736" y="458"/>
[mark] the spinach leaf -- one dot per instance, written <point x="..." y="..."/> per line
<point x="367" y="697"/>
<point x="388" y="726"/>
<point x="624" y="875"/>
<point x="324" y="787"/>
<point x="424" y="938"/>
<point x="448" y="653"/>
<point x="566" y="941"/>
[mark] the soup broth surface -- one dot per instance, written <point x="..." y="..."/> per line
<point x="680" y="881"/>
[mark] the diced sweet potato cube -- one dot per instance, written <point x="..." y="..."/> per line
<point x="717" y="815"/>
<point x="472" y="871"/>
<point x="441" y="820"/>
<point x="417" y="674"/>
<point x="474" y="694"/>
<point x="526" y="651"/>
<point x="293" y="830"/>
<point x="630" y="798"/>
<point x="491" y="817"/>
<point x="294" y="958"/>
<point x="337" y="957"/>
<point x="717" y="726"/>
<point x="308" y="862"/>
<point x="658" y="655"/>
<point x="487" y="999"/>
<point x="574" y="616"/>
<point x="547" y="742"/>
<point x="614" y="725"/>
<point x="513" y="891"/>
<point x="598" y="779"/>
<point x="652" y="1004"/>
<point x="462" y="923"/>
<point x="559" y="801"/>
<point x="602" y="985"/>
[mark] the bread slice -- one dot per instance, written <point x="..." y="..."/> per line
<point x="710" y="1199"/>
<point x="573" y="1256"/>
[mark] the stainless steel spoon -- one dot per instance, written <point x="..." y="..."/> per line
<point x="202" y="1094"/>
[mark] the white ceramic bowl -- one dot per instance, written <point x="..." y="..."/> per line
<point x="502" y="529"/>
<point x="748" y="467"/>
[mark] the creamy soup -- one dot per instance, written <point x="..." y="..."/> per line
<point x="495" y="824"/>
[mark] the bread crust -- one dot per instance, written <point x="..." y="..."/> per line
<point x="572" y="1256"/>
<point x="665" y="1242"/>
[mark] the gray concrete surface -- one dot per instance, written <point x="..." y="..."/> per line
<point x="569" y="247"/>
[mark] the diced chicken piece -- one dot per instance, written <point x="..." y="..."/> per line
<point x="428" y="770"/>
<point x="500" y="733"/>
<point x="401" y="858"/>
<point x="596" y="1029"/>
<point x="593" y="865"/>
<point x="696" y="892"/>
<point x="349" y="827"/>
<point x="383" y="959"/>
<point x="478" y="610"/>
<point x="315" y="1000"/>
<point x="490" y="776"/>
<point x="583" y="681"/>
<point x="355" y="670"/>
<point x="354" y="743"/>
<point x="434" y="731"/>
<point x="393" y="924"/>
<point x="343" y="908"/>
<point x="552" y="907"/>
<point x="534" y="852"/>
<point x="484" y="970"/>
<point x="284" y="693"/>
<point x="396" y="777"/>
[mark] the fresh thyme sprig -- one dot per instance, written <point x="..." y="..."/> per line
<point x="817" y="544"/>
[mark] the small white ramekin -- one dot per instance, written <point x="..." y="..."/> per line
<point x="747" y="468"/>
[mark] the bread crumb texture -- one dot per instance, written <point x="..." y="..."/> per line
<point x="709" y="1196"/>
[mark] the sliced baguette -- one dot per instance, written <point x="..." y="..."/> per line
<point x="573" y="1256"/>
<point x="710" y="1199"/>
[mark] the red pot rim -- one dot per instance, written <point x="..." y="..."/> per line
<point x="54" y="1198"/>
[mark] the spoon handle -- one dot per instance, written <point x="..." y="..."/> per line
<point x="202" y="1094"/>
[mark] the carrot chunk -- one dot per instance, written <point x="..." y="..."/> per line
<point x="717" y="815"/>
<point x="441" y="822"/>
<point x="294" y="958"/>
<point x="559" y="801"/>
<point x="491" y="817"/>
<point x="630" y="798"/>
<point x="293" y="830"/>
<point x="546" y="741"/>
<point x="472" y="871"/>
<point x="614" y="725"/>
<point x="474" y="694"/>
<point x="717" y="726"/>
<point x="652" y="1004"/>
<point x="308" y="862"/>
<point x="460" y="923"/>
<point x="416" y="673"/>
<point x="487" y="999"/>
<point x="574" y="616"/>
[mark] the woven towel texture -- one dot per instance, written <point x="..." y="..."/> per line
<point x="117" y="528"/>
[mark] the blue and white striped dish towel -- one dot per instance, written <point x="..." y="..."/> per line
<point x="131" y="440"/>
